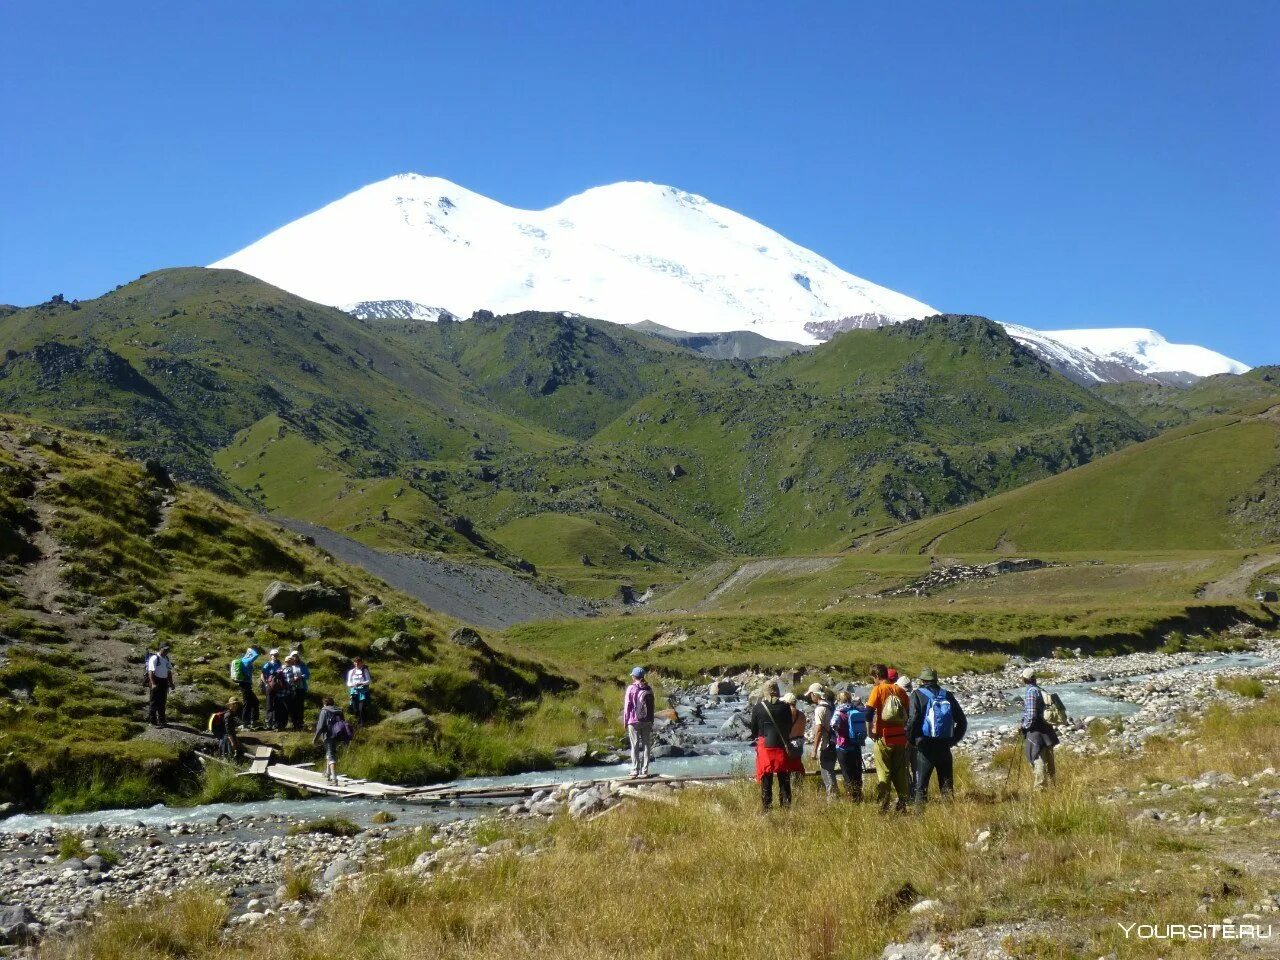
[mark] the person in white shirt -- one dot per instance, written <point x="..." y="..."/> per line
<point x="159" y="680"/>
<point x="358" y="680"/>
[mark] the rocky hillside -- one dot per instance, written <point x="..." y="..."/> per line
<point x="102" y="558"/>
<point x="597" y="453"/>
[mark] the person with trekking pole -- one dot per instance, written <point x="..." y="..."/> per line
<point x="937" y="723"/>
<point x="1041" y="737"/>
<point x="824" y="747"/>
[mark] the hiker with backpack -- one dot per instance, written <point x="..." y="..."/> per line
<point x="795" y="736"/>
<point x="770" y="723"/>
<point x="223" y="724"/>
<point x="333" y="731"/>
<point x="824" y="747"/>
<point x="937" y="723"/>
<point x="358" y="681"/>
<point x="849" y="733"/>
<point x="275" y="687"/>
<point x="299" y="677"/>
<point x="902" y="680"/>
<point x="888" y="731"/>
<point x="1040" y="711"/>
<point x="242" y="677"/>
<point x="159" y="682"/>
<point x="637" y="717"/>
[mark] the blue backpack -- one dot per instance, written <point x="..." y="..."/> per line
<point x="939" y="724"/>
<point x="849" y="724"/>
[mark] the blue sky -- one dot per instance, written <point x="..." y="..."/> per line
<point x="1053" y="164"/>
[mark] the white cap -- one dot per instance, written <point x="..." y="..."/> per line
<point x="815" y="690"/>
<point x="273" y="652"/>
<point x="1028" y="674"/>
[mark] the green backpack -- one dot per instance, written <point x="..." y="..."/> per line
<point x="892" y="710"/>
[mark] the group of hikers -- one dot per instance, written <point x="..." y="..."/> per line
<point x="913" y="729"/>
<point x="284" y="684"/>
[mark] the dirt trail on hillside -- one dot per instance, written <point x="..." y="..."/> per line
<point x="756" y="569"/>
<point x="109" y="657"/>
<point x="1235" y="585"/>
<point x="484" y="596"/>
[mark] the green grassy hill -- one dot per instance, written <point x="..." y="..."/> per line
<point x="100" y="561"/>
<point x="604" y="456"/>
<point x="1214" y="484"/>
<point x="1161" y="407"/>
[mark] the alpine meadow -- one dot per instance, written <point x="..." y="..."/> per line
<point x="571" y="565"/>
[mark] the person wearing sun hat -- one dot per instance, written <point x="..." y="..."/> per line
<point x="1041" y="738"/>
<point x="936" y="724"/>
<point x="637" y="717"/>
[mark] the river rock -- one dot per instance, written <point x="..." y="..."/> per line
<point x="722" y="688"/>
<point x="15" y="924"/>
<point x="74" y="865"/>
<point x="340" y="867"/>
<point x="588" y="802"/>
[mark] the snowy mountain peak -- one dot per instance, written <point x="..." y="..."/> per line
<point x="626" y="252"/>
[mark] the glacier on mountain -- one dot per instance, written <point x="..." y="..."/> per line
<point x="416" y="247"/>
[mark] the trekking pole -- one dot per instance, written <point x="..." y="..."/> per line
<point x="1015" y="760"/>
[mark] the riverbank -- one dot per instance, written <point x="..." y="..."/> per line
<point x="995" y="875"/>
<point x="247" y="859"/>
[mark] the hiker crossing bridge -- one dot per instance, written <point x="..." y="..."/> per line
<point x="302" y="776"/>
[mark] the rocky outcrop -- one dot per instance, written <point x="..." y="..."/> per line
<point x="281" y="598"/>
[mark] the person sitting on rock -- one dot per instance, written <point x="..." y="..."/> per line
<point x="223" y="725"/>
<point x="358" y="681"/>
<point x="637" y="717"/>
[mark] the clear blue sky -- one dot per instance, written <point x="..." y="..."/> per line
<point x="1050" y="163"/>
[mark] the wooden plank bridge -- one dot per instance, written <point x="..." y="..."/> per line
<point x="302" y="776"/>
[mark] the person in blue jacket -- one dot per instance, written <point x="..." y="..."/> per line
<point x="242" y="676"/>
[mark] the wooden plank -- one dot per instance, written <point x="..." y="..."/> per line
<point x="259" y="766"/>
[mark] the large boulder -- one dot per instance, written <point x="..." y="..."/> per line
<point x="468" y="639"/>
<point x="284" y="598"/>
<point x="722" y="688"/>
<point x="399" y="644"/>
<point x="15" y="924"/>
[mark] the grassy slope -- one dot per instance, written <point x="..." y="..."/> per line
<point x="873" y="428"/>
<point x="389" y="430"/>
<point x="130" y="574"/>
<point x="1161" y="407"/>
<point x="180" y="362"/>
<point x="1189" y="488"/>
<point x="1057" y="875"/>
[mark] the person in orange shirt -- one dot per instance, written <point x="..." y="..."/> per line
<point x="889" y="708"/>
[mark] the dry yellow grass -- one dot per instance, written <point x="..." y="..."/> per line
<point x="712" y="878"/>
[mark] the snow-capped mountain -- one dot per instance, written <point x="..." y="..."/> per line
<point x="626" y="252"/>
<point x="413" y="247"/>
